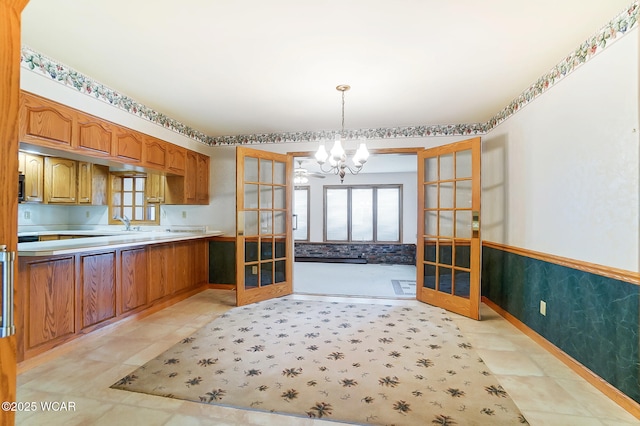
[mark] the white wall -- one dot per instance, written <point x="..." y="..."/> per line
<point x="561" y="175"/>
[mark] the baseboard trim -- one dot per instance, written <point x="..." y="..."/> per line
<point x="606" y="388"/>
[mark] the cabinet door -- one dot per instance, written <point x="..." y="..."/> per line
<point x="133" y="279"/>
<point x="161" y="277"/>
<point x="99" y="184"/>
<point x="97" y="287"/>
<point x="85" y="187"/>
<point x="154" y="188"/>
<point x="94" y="136"/>
<point x="202" y="183"/>
<point x="155" y="153"/>
<point x="34" y="178"/>
<point x="191" y="176"/>
<point x="22" y="162"/>
<point x="176" y="159"/>
<point x="50" y="303"/>
<point x="60" y="180"/>
<point x="128" y="145"/>
<point x="183" y="266"/>
<point x="45" y="122"/>
<point x="201" y="261"/>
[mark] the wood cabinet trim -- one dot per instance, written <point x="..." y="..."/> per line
<point x="123" y="145"/>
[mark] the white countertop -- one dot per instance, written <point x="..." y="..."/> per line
<point x="110" y="240"/>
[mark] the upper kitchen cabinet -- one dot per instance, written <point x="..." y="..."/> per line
<point x="193" y="187"/>
<point x="176" y="159"/>
<point x="155" y="153"/>
<point x="85" y="184"/>
<point x="202" y="180"/>
<point x="52" y="125"/>
<point x="33" y="178"/>
<point x="128" y="145"/>
<point x="93" y="135"/>
<point x="60" y="181"/>
<point x="46" y="123"/>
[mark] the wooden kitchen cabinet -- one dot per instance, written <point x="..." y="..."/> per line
<point x="22" y="167"/>
<point x="161" y="271"/>
<point x="133" y="279"/>
<point x="202" y="180"/>
<point x="155" y="188"/>
<point x="184" y="255"/>
<point x="60" y="181"/>
<point x="49" y="302"/>
<point x="85" y="182"/>
<point x="128" y="145"/>
<point x="155" y="153"/>
<point x="44" y="122"/>
<point x="65" y="296"/>
<point x="176" y="159"/>
<point x="97" y="288"/>
<point x="193" y="187"/>
<point x="201" y="262"/>
<point x="191" y="177"/>
<point x="93" y="136"/>
<point x="33" y="178"/>
<point x="99" y="185"/>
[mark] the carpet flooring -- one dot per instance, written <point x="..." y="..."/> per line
<point x="349" y="362"/>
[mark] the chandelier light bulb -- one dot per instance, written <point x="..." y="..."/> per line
<point x="321" y="154"/>
<point x="337" y="152"/>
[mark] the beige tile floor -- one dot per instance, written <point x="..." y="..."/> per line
<point x="547" y="392"/>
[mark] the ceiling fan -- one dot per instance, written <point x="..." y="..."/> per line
<point x="302" y="175"/>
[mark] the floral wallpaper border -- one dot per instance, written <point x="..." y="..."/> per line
<point x="615" y="29"/>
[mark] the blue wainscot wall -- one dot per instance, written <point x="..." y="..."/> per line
<point x="592" y="318"/>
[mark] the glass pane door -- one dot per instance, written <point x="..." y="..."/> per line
<point x="449" y="236"/>
<point x="263" y="244"/>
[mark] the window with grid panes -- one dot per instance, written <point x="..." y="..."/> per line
<point x="363" y="213"/>
<point x="128" y="199"/>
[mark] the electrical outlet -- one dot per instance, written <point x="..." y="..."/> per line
<point x="543" y="307"/>
<point x="184" y="214"/>
<point x="254" y="270"/>
<point x="88" y="214"/>
<point x="27" y="214"/>
<point x="164" y="214"/>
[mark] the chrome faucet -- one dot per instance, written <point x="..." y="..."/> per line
<point x="125" y="220"/>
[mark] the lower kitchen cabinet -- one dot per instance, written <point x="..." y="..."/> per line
<point x="184" y="253"/>
<point x="97" y="288"/>
<point x="161" y="276"/>
<point x="133" y="279"/>
<point x="48" y="295"/>
<point x="61" y="297"/>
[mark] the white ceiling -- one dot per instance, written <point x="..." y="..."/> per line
<point x="238" y="67"/>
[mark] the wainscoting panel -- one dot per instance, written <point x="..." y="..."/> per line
<point x="591" y="317"/>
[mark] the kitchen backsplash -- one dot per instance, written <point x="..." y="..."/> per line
<point x="50" y="215"/>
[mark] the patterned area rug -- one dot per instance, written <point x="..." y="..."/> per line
<point x="358" y="363"/>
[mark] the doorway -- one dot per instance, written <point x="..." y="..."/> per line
<point x="328" y="265"/>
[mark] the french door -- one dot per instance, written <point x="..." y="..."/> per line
<point x="448" y="252"/>
<point x="264" y="240"/>
<point x="10" y="17"/>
